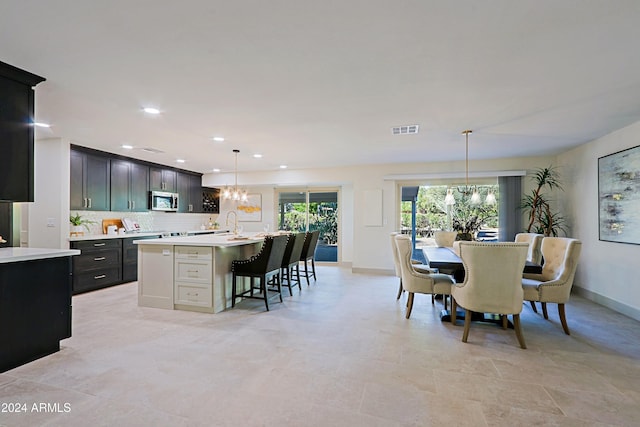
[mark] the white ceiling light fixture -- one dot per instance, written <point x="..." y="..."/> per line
<point x="234" y="193"/>
<point x="283" y="166"/>
<point x="218" y="139"/>
<point x="468" y="190"/>
<point x="216" y="170"/>
<point x="180" y="160"/>
<point x="257" y="156"/>
<point x="42" y="125"/>
<point x="151" y="110"/>
<point x="127" y="146"/>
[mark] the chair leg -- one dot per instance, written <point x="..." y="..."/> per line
<point x="433" y="299"/>
<point x="563" y="319"/>
<point x="467" y="325"/>
<point x="399" y="290"/>
<point x="279" y="280"/>
<point x="504" y="319"/>
<point x="298" y="276"/>
<point x="313" y="268"/>
<point x="233" y="291"/>
<point x="453" y="310"/>
<point x="263" y="288"/>
<point x="544" y="310"/>
<point x="306" y="272"/>
<point x="444" y="301"/>
<point x="516" y="326"/>
<point x="533" y="306"/>
<point x="287" y="276"/>
<point x="409" y="304"/>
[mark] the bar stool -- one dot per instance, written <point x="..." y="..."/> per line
<point x="308" y="253"/>
<point x="265" y="265"/>
<point x="291" y="260"/>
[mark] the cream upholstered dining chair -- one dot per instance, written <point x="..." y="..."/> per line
<point x="414" y="281"/>
<point x="535" y="242"/>
<point x="554" y="284"/>
<point x="492" y="282"/>
<point x="396" y="262"/>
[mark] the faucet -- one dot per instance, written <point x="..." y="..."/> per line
<point x="235" y="222"/>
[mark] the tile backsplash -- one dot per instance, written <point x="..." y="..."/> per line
<point x="150" y="221"/>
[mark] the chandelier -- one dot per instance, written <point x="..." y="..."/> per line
<point x="468" y="190"/>
<point x="234" y="193"/>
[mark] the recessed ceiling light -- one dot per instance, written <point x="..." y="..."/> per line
<point x="127" y="147"/>
<point x="218" y="138"/>
<point x="151" y="110"/>
<point x="42" y="125"/>
<point x="283" y="166"/>
<point x="257" y="155"/>
<point x="180" y="160"/>
<point x="216" y="170"/>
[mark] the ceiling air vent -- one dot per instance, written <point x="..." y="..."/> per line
<point x="405" y="130"/>
<point x="152" y="150"/>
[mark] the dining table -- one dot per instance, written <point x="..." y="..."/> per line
<point x="448" y="262"/>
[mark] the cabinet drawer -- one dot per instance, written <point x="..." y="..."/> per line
<point x="97" y="244"/>
<point x="89" y="260"/>
<point x="189" y="294"/>
<point x="193" y="252"/>
<point x="193" y="271"/>
<point x="95" y="279"/>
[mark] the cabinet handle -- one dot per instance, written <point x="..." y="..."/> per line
<point x="133" y="204"/>
<point x="89" y="203"/>
<point x="84" y="202"/>
<point x="195" y="294"/>
<point x="99" y="258"/>
<point x="102" y="276"/>
<point x="99" y="244"/>
<point x="128" y="204"/>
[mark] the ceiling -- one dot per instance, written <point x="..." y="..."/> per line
<point x="320" y="83"/>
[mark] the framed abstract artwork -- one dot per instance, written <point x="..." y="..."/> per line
<point x="619" y="196"/>
<point x="251" y="210"/>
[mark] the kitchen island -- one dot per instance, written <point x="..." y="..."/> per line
<point x="35" y="303"/>
<point x="192" y="272"/>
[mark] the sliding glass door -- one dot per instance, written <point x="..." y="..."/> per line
<point x="310" y="210"/>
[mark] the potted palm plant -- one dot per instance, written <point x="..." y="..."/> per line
<point x="541" y="218"/>
<point x="78" y="224"/>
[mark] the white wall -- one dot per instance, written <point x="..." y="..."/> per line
<point x="606" y="272"/>
<point x="367" y="248"/>
<point x="48" y="215"/>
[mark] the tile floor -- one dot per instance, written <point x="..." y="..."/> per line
<point x="340" y="353"/>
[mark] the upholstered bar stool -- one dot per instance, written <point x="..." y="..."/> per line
<point x="308" y="253"/>
<point x="265" y="265"/>
<point x="291" y="261"/>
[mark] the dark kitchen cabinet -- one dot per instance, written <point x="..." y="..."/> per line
<point x="6" y="224"/>
<point x="90" y="179"/>
<point x="129" y="186"/>
<point x="189" y="190"/>
<point x="163" y="179"/>
<point x="17" y="104"/>
<point x="35" y="309"/>
<point x="130" y="258"/>
<point x="210" y="200"/>
<point x="99" y="264"/>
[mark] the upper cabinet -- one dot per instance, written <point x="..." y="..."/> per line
<point x="90" y="181"/>
<point x="16" y="133"/>
<point x="189" y="190"/>
<point x="129" y="186"/>
<point x="163" y="179"/>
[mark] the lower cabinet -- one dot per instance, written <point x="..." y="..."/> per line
<point x="99" y="265"/>
<point x="105" y="262"/>
<point x="193" y="286"/>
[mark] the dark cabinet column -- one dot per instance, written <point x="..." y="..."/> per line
<point x="90" y="177"/>
<point x="139" y="187"/>
<point x="17" y="106"/>
<point x="129" y="186"/>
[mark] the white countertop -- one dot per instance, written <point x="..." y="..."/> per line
<point x="29" y="254"/>
<point x="134" y="235"/>
<point x="219" y="240"/>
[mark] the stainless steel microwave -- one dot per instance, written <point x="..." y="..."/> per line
<point x="163" y="201"/>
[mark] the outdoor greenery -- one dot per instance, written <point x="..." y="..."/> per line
<point x="432" y="214"/>
<point x="322" y="216"/>
<point x="542" y="219"/>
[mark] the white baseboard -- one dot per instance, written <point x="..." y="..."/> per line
<point x="632" y="312"/>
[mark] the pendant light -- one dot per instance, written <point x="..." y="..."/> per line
<point x="234" y="193"/>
